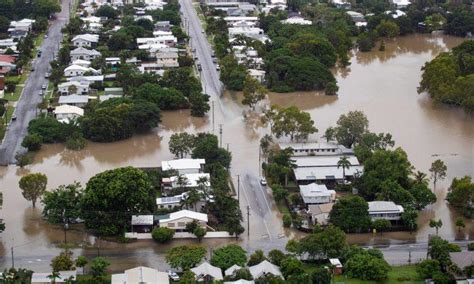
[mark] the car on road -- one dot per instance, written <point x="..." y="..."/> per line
<point x="40" y="92"/>
<point x="214" y="60"/>
<point x="45" y="36"/>
<point x="213" y="54"/>
<point x="199" y="66"/>
<point x="173" y="275"/>
<point x="32" y="68"/>
<point x="44" y="86"/>
<point x="39" y="53"/>
<point x="263" y="181"/>
<point x="46" y="75"/>
<point x="13" y="117"/>
<point x="218" y="68"/>
<point x="194" y="50"/>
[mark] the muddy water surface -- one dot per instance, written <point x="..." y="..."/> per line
<point x="382" y="84"/>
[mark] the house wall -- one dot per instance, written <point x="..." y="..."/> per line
<point x="317" y="199"/>
<point x="179" y="224"/>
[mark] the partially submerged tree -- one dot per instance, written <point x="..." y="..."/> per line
<point x="33" y="186"/>
<point x="438" y="171"/>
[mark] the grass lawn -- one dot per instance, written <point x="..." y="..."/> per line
<point x="282" y="207"/>
<point x="398" y="274"/>
<point x="9" y="113"/>
<point x="15" y="96"/>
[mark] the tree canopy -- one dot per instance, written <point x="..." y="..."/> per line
<point x="185" y="257"/>
<point x="229" y="255"/>
<point x="33" y="186"/>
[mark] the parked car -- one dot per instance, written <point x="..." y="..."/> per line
<point x="199" y="66"/>
<point x="173" y="275"/>
<point x="13" y="117"/>
<point x="46" y="75"/>
<point x="40" y="92"/>
<point x="263" y="181"/>
<point x="214" y="60"/>
<point x="39" y="53"/>
<point x="45" y="86"/>
<point x="218" y="68"/>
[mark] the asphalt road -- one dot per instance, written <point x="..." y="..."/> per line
<point x="26" y="108"/>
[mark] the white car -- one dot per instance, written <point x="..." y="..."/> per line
<point x="173" y="275"/>
<point x="263" y="181"/>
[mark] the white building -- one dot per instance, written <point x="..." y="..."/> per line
<point x="67" y="113"/>
<point x="184" y="166"/>
<point x="85" y="40"/>
<point x="324" y="168"/>
<point x="190" y="180"/>
<point x="205" y="271"/>
<point x="167" y="40"/>
<point x="401" y="3"/>
<point x="77" y="70"/>
<point x="317" y="194"/>
<point x="395" y="14"/>
<point x="81" y="62"/>
<point x="251" y="32"/>
<point x="320" y="212"/>
<point x="84" y="53"/>
<point x="91" y="79"/>
<point x="169" y="202"/>
<point x="296" y="21"/>
<point x="73" y="100"/>
<point x="22" y="25"/>
<point x="178" y="220"/>
<point x="259" y="75"/>
<point x="386" y="210"/>
<point x="231" y="21"/>
<point x="167" y="59"/>
<point x="264" y="268"/>
<point x="317" y="149"/>
<point x="73" y="87"/>
<point x="141" y="274"/>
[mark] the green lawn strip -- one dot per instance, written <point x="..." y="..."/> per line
<point x="9" y="113"/>
<point x="398" y="274"/>
<point x="15" y="96"/>
<point x="282" y="207"/>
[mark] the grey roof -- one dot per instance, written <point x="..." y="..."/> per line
<point x="384" y="207"/>
<point x="264" y="267"/>
<point x="463" y="258"/>
<point x="82" y="50"/>
<point x="73" y="99"/>
<point x="205" y="269"/>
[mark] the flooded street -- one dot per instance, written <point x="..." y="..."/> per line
<point x="382" y="84"/>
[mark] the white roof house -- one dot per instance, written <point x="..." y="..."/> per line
<point x="387" y="210"/>
<point x="85" y="40"/>
<point x="395" y="14"/>
<point x="320" y="212"/>
<point x="317" y="194"/>
<point x="259" y="75"/>
<point x="168" y="40"/>
<point x="184" y="166"/>
<point x="78" y="70"/>
<point x="169" y="202"/>
<point x="84" y="53"/>
<point x="82" y="62"/>
<point x="75" y="100"/>
<point x="142" y="219"/>
<point x="297" y="21"/>
<point x="356" y="16"/>
<point x="320" y="168"/>
<point x="141" y="274"/>
<point x="81" y="87"/>
<point x="205" y="269"/>
<point x="67" y="109"/>
<point x="335" y="262"/>
<point x="231" y="270"/>
<point x="191" y="180"/>
<point x="252" y="32"/>
<point x="240" y="281"/>
<point x="178" y="220"/>
<point x="264" y="267"/>
<point x="401" y="3"/>
<point x="37" y="278"/>
<point x="316" y="149"/>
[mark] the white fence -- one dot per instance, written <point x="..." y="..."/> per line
<point x="178" y="235"/>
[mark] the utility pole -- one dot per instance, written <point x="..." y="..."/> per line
<point x="227" y="147"/>
<point x="238" y="187"/>
<point x="212" y="105"/>
<point x="13" y="259"/>
<point x="220" y="134"/>
<point x="248" y="221"/>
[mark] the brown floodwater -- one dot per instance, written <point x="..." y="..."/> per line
<point x="382" y="84"/>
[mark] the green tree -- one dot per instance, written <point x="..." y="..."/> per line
<point x="99" y="266"/>
<point x="439" y="250"/>
<point x="229" y="255"/>
<point x="365" y="266"/>
<point x="381" y="225"/>
<point x="206" y="147"/>
<point x="460" y="223"/>
<point x="256" y="257"/>
<point x="427" y="268"/>
<point x="436" y="224"/>
<point x="422" y="195"/>
<point x="162" y="234"/>
<point x="33" y="186"/>
<point x="343" y="163"/>
<point x="181" y="79"/>
<point x="199" y="232"/>
<point x="181" y="144"/>
<point x="438" y="171"/>
<point x="188" y="277"/>
<point x="461" y="195"/>
<point x="276" y="256"/>
<point x="409" y="217"/>
<point x="350" y="128"/>
<point x="253" y="92"/>
<point x="331" y="88"/>
<point x="286" y="220"/>
<point x="199" y="104"/>
<point x="63" y="203"/>
<point x="291" y="266"/>
<point x="81" y="262"/>
<point x="292" y="122"/>
<point x="321" y="275"/>
<point x="279" y="192"/>
<point x="328" y="242"/>
<point x="113" y="196"/>
<point x="63" y="261"/>
<point x="388" y="29"/>
<point x="350" y="214"/>
<point x="185" y="257"/>
<point x="32" y="142"/>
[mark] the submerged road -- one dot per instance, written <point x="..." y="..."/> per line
<point x="253" y="198"/>
<point x="26" y="108"/>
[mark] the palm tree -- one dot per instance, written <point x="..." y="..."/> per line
<point x="192" y="198"/>
<point x="53" y="276"/>
<point x="345" y="164"/>
<point x="420" y="177"/>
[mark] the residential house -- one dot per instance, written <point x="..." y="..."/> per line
<point x="141" y="274"/>
<point x="231" y="270"/>
<point x="320" y="213"/>
<point x="184" y="166"/>
<point x="400" y="3"/>
<point x="170" y="202"/>
<point x="8" y="43"/>
<point x="19" y="29"/>
<point x="63" y="277"/>
<point x="81" y="62"/>
<point x="98" y="79"/>
<point x="251" y="32"/>
<point x="162" y="33"/>
<point x="231" y="21"/>
<point x="142" y="223"/>
<point x="178" y="220"/>
<point x="114" y="91"/>
<point x="73" y="100"/>
<point x="325" y="169"/>
<point x="73" y="87"/>
<point x="356" y="16"/>
<point x="93" y="27"/>
<point x="240" y="281"/>
<point x="386" y="210"/>
<point x="317" y="149"/>
<point x="263" y="268"/>
<point x="77" y="70"/>
<point x="185" y="181"/>
<point x="152" y="67"/>
<point x="112" y="61"/>
<point x="84" y="54"/>
<point x="296" y="21"/>
<point x="344" y="4"/>
<point x="103" y="98"/>
<point x="18" y="34"/>
<point x="314" y="193"/>
<point x="207" y="273"/>
<point x="85" y="40"/>
<point x="163" y="26"/>
<point x="143" y="17"/>
<point x="395" y="14"/>
<point x="67" y="113"/>
<point x="7" y="64"/>
<point x="167" y="59"/>
<point x="168" y="40"/>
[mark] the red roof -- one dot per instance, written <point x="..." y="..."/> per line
<point x="7" y="58"/>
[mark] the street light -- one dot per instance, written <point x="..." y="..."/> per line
<point x="66" y="227"/>
<point x="409" y="254"/>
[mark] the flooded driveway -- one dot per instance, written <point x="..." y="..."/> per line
<point x="382" y="84"/>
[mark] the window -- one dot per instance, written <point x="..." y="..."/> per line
<point x="181" y="224"/>
<point x="171" y="225"/>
